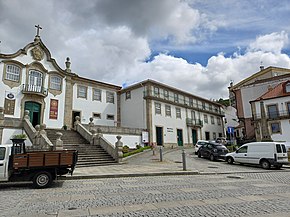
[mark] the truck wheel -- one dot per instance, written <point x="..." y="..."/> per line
<point x="211" y="157"/>
<point x="265" y="164"/>
<point x="230" y="160"/>
<point x="42" y="179"/>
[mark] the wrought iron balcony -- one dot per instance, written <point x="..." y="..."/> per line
<point x="282" y="114"/>
<point x="194" y="122"/>
<point x="34" y="89"/>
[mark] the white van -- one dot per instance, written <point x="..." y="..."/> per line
<point x="266" y="154"/>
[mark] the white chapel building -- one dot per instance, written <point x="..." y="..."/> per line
<point x="31" y="79"/>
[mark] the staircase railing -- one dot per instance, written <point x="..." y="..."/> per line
<point x="96" y="138"/>
<point x="37" y="135"/>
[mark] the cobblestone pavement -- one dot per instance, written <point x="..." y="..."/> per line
<point x="147" y="163"/>
<point x="233" y="195"/>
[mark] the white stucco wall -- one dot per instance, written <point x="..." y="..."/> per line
<point x="129" y="140"/>
<point x="133" y="111"/>
<point x="88" y="106"/>
<point x="169" y="124"/>
<point x="17" y="91"/>
<point x="8" y="133"/>
<point x="284" y="123"/>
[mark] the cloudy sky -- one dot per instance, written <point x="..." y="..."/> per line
<point x="196" y="45"/>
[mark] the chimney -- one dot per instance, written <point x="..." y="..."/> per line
<point x="261" y="68"/>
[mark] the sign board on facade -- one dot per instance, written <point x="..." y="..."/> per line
<point x="170" y="130"/>
<point x="53" y="109"/>
<point x="145" y="137"/>
<point x="9" y="106"/>
<point x="230" y="130"/>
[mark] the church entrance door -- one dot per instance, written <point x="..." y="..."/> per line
<point x="34" y="112"/>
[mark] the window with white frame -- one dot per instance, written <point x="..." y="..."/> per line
<point x="287" y="87"/>
<point x="176" y="97"/>
<point x="205" y="119"/>
<point x="178" y="112"/>
<point x="166" y="94"/>
<point x="190" y="102"/>
<point x="110" y="117"/>
<point x="210" y="107"/>
<point x="55" y="82"/>
<point x="12" y="72"/>
<point x="156" y="91"/>
<point x="157" y="108"/>
<point x="128" y="94"/>
<point x="168" y="110"/>
<point x="110" y="97"/>
<point x="97" y="115"/>
<point x="275" y="127"/>
<point x="82" y="91"/>
<point x="97" y="95"/>
<point x="218" y="120"/>
<point x="273" y="111"/>
<point x="212" y="119"/>
<point x="203" y="105"/>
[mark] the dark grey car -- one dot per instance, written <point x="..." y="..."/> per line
<point x="213" y="151"/>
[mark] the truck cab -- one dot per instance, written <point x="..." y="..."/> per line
<point x="4" y="159"/>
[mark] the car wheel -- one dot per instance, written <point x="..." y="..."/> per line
<point x="230" y="160"/>
<point x="42" y="179"/>
<point x="199" y="154"/>
<point x="211" y="157"/>
<point x="265" y="164"/>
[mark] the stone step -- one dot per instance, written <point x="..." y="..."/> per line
<point x="88" y="155"/>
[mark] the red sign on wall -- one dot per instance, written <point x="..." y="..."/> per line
<point x="53" y="109"/>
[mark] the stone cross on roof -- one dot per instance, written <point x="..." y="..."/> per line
<point x="37" y="31"/>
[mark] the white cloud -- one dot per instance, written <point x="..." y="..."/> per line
<point x="273" y="42"/>
<point x="211" y="81"/>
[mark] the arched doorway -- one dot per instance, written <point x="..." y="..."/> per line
<point x="34" y="109"/>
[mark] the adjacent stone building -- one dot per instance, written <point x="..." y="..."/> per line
<point x="250" y="89"/>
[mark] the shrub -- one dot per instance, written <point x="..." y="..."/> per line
<point x="125" y="149"/>
<point x="19" y="136"/>
<point x="138" y="146"/>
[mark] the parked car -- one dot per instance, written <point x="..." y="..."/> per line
<point x="213" y="151"/>
<point x="198" y="144"/>
<point x="266" y="154"/>
<point x="221" y="140"/>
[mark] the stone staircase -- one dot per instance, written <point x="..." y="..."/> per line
<point x="88" y="155"/>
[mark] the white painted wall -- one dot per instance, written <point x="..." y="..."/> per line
<point x="88" y="107"/>
<point x="133" y="111"/>
<point x="129" y="140"/>
<point x="169" y="124"/>
<point x="17" y="91"/>
<point x="8" y="133"/>
<point x="284" y="123"/>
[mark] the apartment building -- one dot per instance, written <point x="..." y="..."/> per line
<point x="170" y="116"/>
<point x="274" y="108"/>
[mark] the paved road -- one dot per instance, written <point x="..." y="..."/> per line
<point x="264" y="194"/>
<point x="147" y="163"/>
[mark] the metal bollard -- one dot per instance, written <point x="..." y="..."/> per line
<point x="160" y="152"/>
<point x="183" y="160"/>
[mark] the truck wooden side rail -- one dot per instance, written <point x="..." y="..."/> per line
<point x="65" y="158"/>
